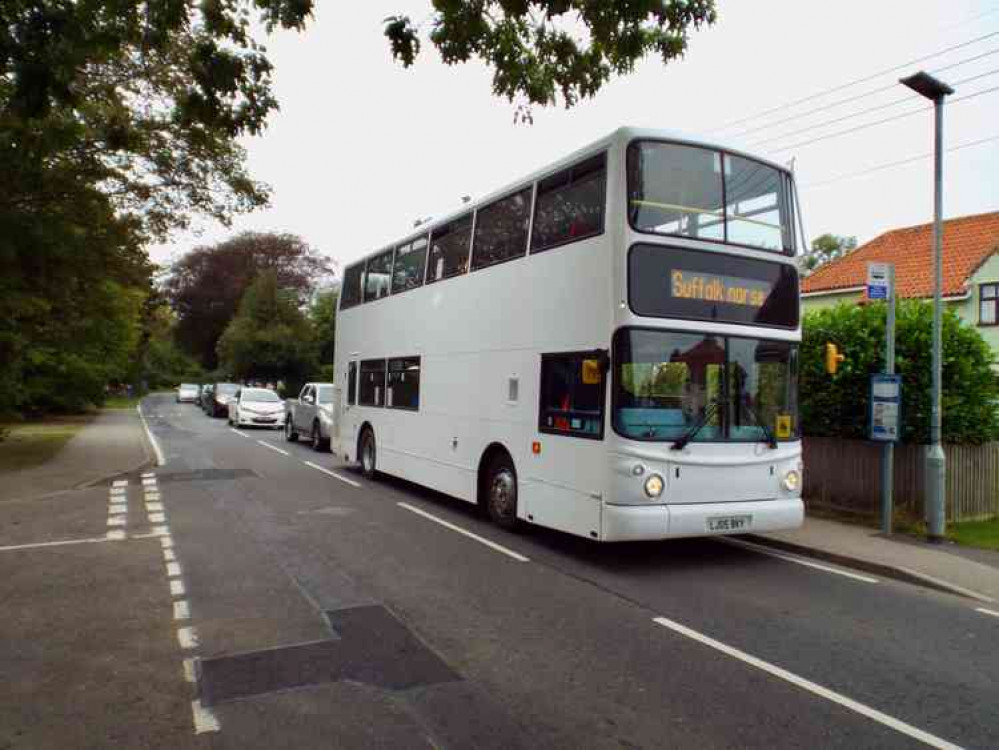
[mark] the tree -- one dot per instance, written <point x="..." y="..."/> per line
<point x="141" y="101"/>
<point x="322" y="315"/>
<point x="270" y="338"/>
<point x="825" y="248"/>
<point x="206" y="285"/>
<point x="836" y="406"/>
<point x="549" y="50"/>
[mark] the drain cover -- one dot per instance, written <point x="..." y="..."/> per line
<point x="374" y="648"/>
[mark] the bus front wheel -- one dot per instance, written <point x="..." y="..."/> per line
<point x="501" y="492"/>
<point x="368" y="453"/>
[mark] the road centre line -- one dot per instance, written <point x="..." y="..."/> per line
<point x="333" y="474"/>
<point x="986" y="611"/>
<point x="492" y="545"/>
<point x="797" y="560"/>
<point x="152" y="438"/>
<point x="830" y="695"/>
<point x="273" y="448"/>
<point x="241" y="434"/>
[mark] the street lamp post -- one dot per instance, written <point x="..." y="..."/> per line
<point x="936" y="463"/>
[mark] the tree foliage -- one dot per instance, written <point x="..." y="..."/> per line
<point x="544" y="51"/>
<point x="825" y="248"/>
<point x="206" y="285"/>
<point x="837" y="405"/>
<point x="270" y="338"/>
<point x="322" y="316"/>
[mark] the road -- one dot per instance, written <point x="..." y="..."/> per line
<point x="318" y="609"/>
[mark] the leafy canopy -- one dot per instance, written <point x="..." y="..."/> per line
<point x="837" y="405"/>
<point x="825" y="248"/>
<point x="547" y="50"/>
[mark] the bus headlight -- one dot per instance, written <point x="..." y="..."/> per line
<point x="654" y="486"/>
<point x="791" y="480"/>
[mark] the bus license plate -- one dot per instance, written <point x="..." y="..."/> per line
<point x="729" y="523"/>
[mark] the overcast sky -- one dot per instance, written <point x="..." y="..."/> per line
<point x="362" y="147"/>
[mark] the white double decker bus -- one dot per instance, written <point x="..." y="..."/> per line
<point x="608" y="347"/>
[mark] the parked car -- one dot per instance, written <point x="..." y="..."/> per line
<point x="207" y="390"/>
<point x="222" y="393"/>
<point x="187" y="393"/>
<point x="311" y="415"/>
<point x="257" y="407"/>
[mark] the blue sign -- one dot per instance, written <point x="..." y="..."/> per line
<point x="886" y="408"/>
<point x="878" y="280"/>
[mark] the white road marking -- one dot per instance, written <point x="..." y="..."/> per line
<point x="168" y="555"/>
<point x="152" y="438"/>
<point x="815" y="689"/>
<point x="115" y="536"/>
<point x="204" y="719"/>
<point x="173" y="570"/>
<point x="190" y="673"/>
<point x="187" y="638"/>
<point x="161" y="531"/>
<point x="152" y="496"/>
<point x="181" y="610"/>
<point x="797" y="560"/>
<point x="154" y="507"/>
<point x="492" y="545"/>
<point x="115" y="508"/>
<point x="118" y="492"/>
<point x="333" y="474"/>
<point x="147" y="475"/>
<point x="986" y="611"/>
<point x="241" y="434"/>
<point x="177" y="588"/>
<point x="149" y="485"/>
<point x="119" y="483"/>
<point x="116" y="520"/>
<point x="41" y="545"/>
<point x="273" y="448"/>
<point x="166" y="542"/>
<point x="157" y="518"/>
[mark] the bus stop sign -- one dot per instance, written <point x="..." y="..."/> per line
<point x="886" y="407"/>
<point x="878" y="282"/>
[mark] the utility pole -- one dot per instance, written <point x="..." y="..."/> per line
<point x="936" y="469"/>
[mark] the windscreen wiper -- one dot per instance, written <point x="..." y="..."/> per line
<point x="767" y="432"/>
<point x="681" y="442"/>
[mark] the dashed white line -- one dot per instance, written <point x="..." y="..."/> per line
<point x="815" y="689"/>
<point x="986" y="611"/>
<point x="273" y="448"/>
<point x="204" y="719"/>
<point x="115" y="536"/>
<point x="166" y="542"/>
<point x="241" y="434"/>
<point x="154" y="507"/>
<point x="147" y="475"/>
<point x="120" y="483"/>
<point x="152" y="438"/>
<point x="190" y="673"/>
<point x="116" y="520"/>
<point x="161" y="531"/>
<point x="168" y="555"/>
<point x="177" y="588"/>
<point x="42" y="545"/>
<point x="173" y="570"/>
<point x="482" y="540"/>
<point x="797" y="560"/>
<point x="117" y="508"/>
<point x="187" y="637"/>
<point x="157" y="518"/>
<point x="181" y="610"/>
<point x="333" y="474"/>
<point x="152" y="496"/>
<point x="119" y="492"/>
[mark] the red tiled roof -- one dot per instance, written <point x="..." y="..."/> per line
<point x="967" y="242"/>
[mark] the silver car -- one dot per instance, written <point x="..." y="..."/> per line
<point x="188" y="393"/>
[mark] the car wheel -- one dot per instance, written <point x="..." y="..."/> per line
<point x="369" y="454"/>
<point x="501" y="492"/>
<point x="318" y="444"/>
<point x="289" y="431"/>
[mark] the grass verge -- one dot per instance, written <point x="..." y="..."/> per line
<point x="122" y="402"/>
<point x="982" y="534"/>
<point x="29" y="444"/>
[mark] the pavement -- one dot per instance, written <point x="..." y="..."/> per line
<point x="113" y="443"/>
<point x="268" y="596"/>
<point x="943" y="567"/>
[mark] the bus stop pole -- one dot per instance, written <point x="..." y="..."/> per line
<point x="888" y="449"/>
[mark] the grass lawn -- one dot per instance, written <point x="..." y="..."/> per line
<point x="983" y="534"/>
<point x="29" y="444"/>
<point x="122" y="402"/>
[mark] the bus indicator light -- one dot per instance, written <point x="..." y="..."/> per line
<point x="536" y="448"/>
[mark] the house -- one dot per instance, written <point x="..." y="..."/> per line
<point x="970" y="270"/>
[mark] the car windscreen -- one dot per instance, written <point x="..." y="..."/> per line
<point x="260" y="396"/>
<point x="187" y="386"/>
<point x="325" y="394"/>
<point x="226" y="388"/>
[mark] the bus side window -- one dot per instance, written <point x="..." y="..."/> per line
<point x="572" y="395"/>
<point x="352" y="383"/>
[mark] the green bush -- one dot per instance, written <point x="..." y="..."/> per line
<point x="837" y="405"/>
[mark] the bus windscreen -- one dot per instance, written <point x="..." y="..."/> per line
<point x="667" y="282"/>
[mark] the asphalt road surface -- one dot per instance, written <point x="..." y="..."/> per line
<point x="321" y="610"/>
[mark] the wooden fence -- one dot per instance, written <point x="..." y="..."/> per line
<point x="846" y="474"/>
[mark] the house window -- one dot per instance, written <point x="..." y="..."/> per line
<point x="988" y="298"/>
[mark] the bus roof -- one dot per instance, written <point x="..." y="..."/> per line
<point x="623" y="134"/>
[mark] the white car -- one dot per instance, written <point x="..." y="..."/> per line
<point x="257" y="407"/>
<point x="188" y="392"/>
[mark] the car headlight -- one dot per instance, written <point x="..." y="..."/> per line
<point x="791" y="480"/>
<point x="654" y="486"/>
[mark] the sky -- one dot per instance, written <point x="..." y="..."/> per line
<point x="362" y="147"/>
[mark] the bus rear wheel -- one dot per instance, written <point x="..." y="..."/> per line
<point x="368" y="454"/>
<point x="501" y="492"/>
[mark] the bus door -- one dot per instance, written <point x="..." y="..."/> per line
<point x="347" y="425"/>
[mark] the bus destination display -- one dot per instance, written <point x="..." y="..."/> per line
<point x="668" y="282"/>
